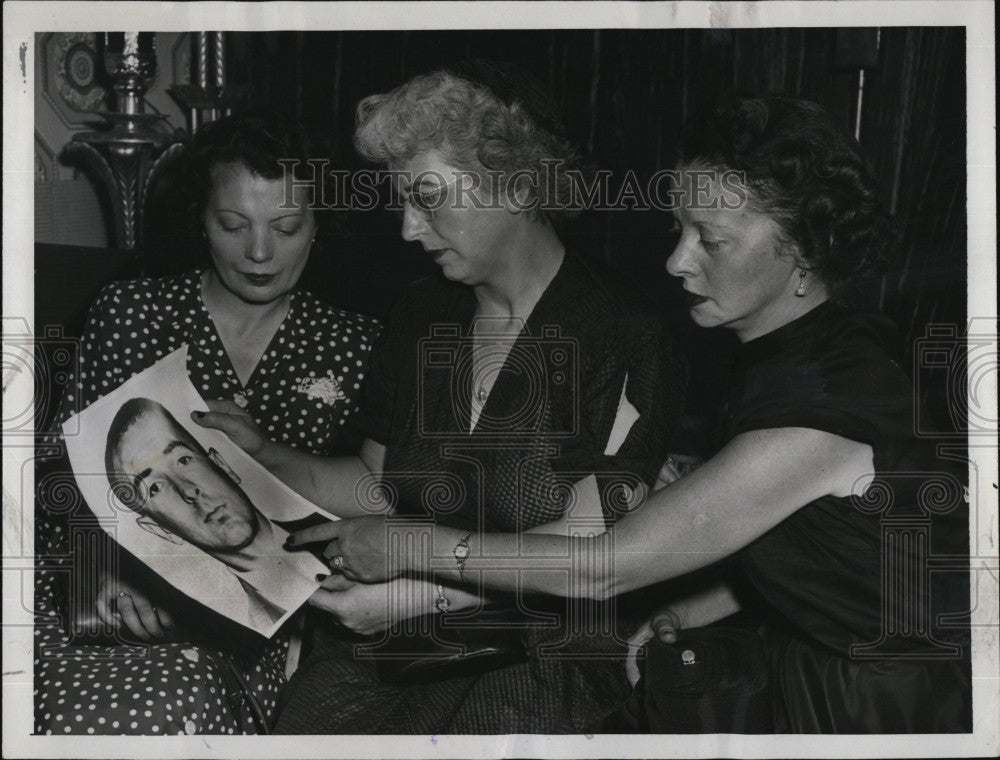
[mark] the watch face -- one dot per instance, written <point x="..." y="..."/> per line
<point x="461" y="552"/>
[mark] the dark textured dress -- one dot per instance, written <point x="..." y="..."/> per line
<point x="869" y="629"/>
<point x="545" y="425"/>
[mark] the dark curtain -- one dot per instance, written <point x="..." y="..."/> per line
<point x="625" y="95"/>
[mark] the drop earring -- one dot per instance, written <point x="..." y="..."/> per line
<point x="801" y="289"/>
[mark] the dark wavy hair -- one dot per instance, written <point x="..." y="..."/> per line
<point x="256" y="139"/>
<point x="480" y="115"/>
<point x="806" y="173"/>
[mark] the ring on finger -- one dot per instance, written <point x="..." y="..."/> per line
<point x="338" y="562"/>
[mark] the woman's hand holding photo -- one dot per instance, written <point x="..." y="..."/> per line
<point x="235" y="422"/>
<point x="123" y="606"/>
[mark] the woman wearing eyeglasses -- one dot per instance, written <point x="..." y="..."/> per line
<point x="522" y="388"/>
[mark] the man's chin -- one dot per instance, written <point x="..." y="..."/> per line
<point x="237" y="530"/>
<point x="247" y="540"/>
<point x="234" y="541"/>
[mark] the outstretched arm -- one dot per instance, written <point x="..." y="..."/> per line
<point x="369" y="608"/>
<point x="755" y="482"/>
<point x="337" y="484"/>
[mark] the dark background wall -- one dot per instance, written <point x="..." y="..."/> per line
<point x="625" y="95"/>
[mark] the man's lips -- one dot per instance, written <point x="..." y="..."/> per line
<point x="216" y="515"/>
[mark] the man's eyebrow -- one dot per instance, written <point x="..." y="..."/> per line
<point x="137" y="479"/>
<point x="175" y="443"/>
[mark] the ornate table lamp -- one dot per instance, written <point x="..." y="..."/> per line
<point x="212" y="96"/>
<point x="125" y="153"/>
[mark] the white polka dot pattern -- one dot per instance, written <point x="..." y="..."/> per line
<point x="303" y="391"/>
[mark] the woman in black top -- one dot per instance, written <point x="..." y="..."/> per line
<point x="821" y="498"/>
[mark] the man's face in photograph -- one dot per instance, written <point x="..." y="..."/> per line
<point x="177" y="485"/>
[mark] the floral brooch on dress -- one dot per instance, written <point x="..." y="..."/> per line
<point x="326" y="389"/>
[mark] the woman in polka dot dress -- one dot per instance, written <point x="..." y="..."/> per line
<point x="293" y="363"/>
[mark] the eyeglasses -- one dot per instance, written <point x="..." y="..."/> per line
<point x="427" y="202"/>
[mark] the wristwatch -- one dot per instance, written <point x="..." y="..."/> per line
<point x="462" y="553"/>
<point x="441" y="604"/>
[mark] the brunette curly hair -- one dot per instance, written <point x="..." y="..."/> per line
<point x="806" y="173"/>
<point x="256" y="139"/>
<point x="480" y="115"/>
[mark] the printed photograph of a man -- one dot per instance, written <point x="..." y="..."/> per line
<point x="181" y="492"/>
<point x="191" y="505"/>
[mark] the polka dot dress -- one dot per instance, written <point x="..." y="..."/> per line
<point x="303" y="391"/>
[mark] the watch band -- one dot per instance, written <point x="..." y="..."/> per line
<point x="442" y="604"/>
<point x="461" y="552"/>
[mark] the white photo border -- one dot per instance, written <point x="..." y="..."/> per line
<point x="22" y="20"/>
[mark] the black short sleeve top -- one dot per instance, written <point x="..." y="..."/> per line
<point x="829" y="567"/>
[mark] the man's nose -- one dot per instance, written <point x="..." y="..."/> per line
<point x="190" y="491"/>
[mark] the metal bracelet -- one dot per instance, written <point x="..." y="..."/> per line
<point x="442" y="604"/>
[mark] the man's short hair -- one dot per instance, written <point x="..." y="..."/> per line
<point x="127" y="415"/>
